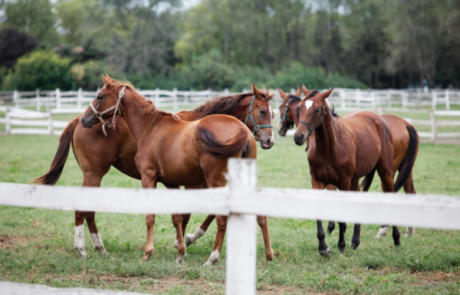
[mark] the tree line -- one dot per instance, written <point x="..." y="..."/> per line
<point x="230" y="44"/>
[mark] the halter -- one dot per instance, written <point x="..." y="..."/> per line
<point x="256" y="126"/>
<point x="311" y="129"/>
<point x="285" y="116"/>
<point x="115" y="107"/>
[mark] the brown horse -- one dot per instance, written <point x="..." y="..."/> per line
<point x="120" y="149"/>
<point x="405" y="145"/>
<point x="342" y="151"/>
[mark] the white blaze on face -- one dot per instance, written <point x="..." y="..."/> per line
<point x="308" y="104"/>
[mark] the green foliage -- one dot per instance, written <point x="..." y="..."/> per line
<point x="88" y="75"/>
<point x="33" y="17"/>
<point x="42" y="69"/>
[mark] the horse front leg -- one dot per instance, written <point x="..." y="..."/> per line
<point x="177" y="221"/>
<point x="323" y="249"/>
<point x="95" y="236"/>
<point x="331" y="225"/>
<point x="262" y="221"/>
<point x="356" y="240"/>
<point x="149" y="180"/>
<point x="218" y="242"/>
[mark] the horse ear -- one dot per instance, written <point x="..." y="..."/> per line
<point x="107" y="80"/>
<point x="305" y="90"/>
<point x="297" y="92"/>
<point x="327" y="93"/>
<point x="256" y="92"/>
<point x="283" y="95"/>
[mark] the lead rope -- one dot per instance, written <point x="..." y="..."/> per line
<point x="311" y="129"/>
<point x="256" y="126"/>
<point x="115" y="107"/>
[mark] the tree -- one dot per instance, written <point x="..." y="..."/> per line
<point x="34" y="17"/>
<point x="13" y="45"/>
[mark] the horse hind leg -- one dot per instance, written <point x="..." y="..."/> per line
<point x="200" y="231"/>
<point x="96" y="237"/>
<point x="409" y="188"/>
<point x="79" y="243"/>
<point x="217" y="248"/>
<point x="177" y="221"/>
<point x="262" y="221"/>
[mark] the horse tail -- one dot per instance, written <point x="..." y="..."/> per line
<point x="407" y="164"/>
<point x="366" y="183"/>
<point x="208" y="143"/>
<point x="52" y="176"/>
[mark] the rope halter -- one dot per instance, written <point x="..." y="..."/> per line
<point x="115" y="107"/>
<point x="285" y="117"/>
<point x="257" y="127"/>
<point x="311" y="129"/>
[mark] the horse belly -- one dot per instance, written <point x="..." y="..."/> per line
<point x="367" y="156"/>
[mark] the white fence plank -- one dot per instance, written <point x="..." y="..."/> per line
<point x="8" y="288"/>
<point x="116" y="200"/>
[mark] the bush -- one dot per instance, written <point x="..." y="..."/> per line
<point x="41" y="69"/>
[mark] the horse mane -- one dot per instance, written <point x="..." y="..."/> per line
<point x="226" y="105"/>
<point x="151" y="114"/>
<point x="294" y="97"/>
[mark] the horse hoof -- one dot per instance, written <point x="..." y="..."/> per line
<point x="382" y="232"/>
<point x="409" y="232"/>
<point x="188" y="240"/>
<point x="180" y="260"/>
<point x="324" y="253"/>
<point x="354" y="246"/>
<point x="270" y="256"/>
<point x="341" y="250"/>
<point x="102" y="250"/>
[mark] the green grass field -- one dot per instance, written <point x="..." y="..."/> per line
<point x="36" y="246"/>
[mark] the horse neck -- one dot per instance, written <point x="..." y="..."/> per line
<point x="242" y="109"/>
<point x="132" y="109"/>
<point x="325" y="134"/>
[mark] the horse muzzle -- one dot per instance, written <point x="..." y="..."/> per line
<point x="87" y="123"/>
<point x="268" y="143"/>
<point x="299" y="139"/>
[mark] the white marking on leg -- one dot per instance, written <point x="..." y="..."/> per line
<point x="98" y="244"/>
<point x="79" y="244"/>
<point x="176" y="243"/>
<point x="215" y="257"/>
<point x="382" y="232"/>
<point x="308" y="104"/>
<point x="191" y="238"/>
<point x="409" y="231"/>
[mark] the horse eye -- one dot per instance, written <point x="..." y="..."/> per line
<point x="317" y="111"/>
<point x="262" y="112"/>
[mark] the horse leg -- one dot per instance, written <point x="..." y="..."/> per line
<point x="97" y="241"/>
<point x="409" y="189"/>
<point x="149" y="181"/>
<point x="355" y="241"/>
<point x="341" y="244"/>
<point x="90" y="179"/>
<point x="200" y="231"/>
<point x="217" y="248"/>
<point x="177" y="221"/>
<point x="262" y="221"/>
<point x="185" y="220"/>
<point x="331" y="225"/>
<point x="323" y="249"/>
<point x="79" y="244"/>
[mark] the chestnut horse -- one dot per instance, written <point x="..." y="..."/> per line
<point x="342" y="151"/>
<point x="120" y="147"/>
<point x="405" y="145"/>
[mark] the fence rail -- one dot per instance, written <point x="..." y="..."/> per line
<point x="242" y="201"/>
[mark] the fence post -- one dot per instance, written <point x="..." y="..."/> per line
<point x="358" y="98"/>
<point x="433" y="126"/>
<point x="16" y="98"/>
<point x="58" y="98"/>
<point x="447" y="99"/>
<point x="157" y="98"/>
<point x="342" y="99"/>
<point x="210" y="94"/>
<point x="404" y="97"/>
<point x="7" y="118"/>
<point x="226" y="92"/>
<point x="50" y="121"/>
<point x="433" y="99"/>
<point x="37" y="95"/>
<point x="373" y="98"/>
<point x="175" y="106"/>
<point x="389" y="100"/>
<point x="79" y="98"/>
<point x="241" y="230"/>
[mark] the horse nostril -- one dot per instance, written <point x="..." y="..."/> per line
<point x="301" y="136"/>
<point x="269" y="141"/>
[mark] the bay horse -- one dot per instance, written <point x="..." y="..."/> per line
<point x="343" y="150"/>
<point x="96" y="153"/>
<point x="405" y="144"/>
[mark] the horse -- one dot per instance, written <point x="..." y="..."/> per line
<point x="405" y="144"/>
<point x="342" y="151"/>
<point x="120" y="147"/>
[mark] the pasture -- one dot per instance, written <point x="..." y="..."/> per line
<point x="36" y="246"/>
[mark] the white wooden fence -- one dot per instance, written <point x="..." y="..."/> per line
<point x="241" y="201"/>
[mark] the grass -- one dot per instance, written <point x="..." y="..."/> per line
<point x="36" y="246"/>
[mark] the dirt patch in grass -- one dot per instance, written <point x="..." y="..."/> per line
<point x="11" y="242"/>
<point x="437" y="277"/>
